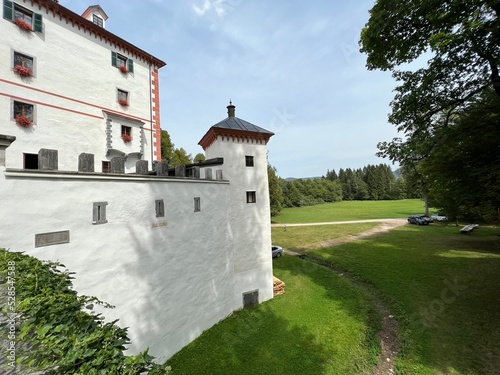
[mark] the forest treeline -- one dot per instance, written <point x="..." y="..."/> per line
<point x="373" y="182"/>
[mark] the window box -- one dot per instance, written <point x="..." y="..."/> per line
<point x="23" y="25"/>
<point x="23" y="121"/>
<point x="22" y="71"/>
<point x="123" y="102"/>
<point x="123" y="69"/>
<point x="126" y="138"/>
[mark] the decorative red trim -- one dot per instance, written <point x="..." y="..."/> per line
<point x="65" y="97"/>
<point x="50" y="105"/>
<point x="155" y="98"/>
<point x="212" y="134"/>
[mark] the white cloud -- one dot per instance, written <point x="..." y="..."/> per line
<point x="220" y="7"/>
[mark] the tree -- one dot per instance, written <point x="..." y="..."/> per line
<point x="167" y="147"/>
<point x="460" y="36"/>
<point x="180" y="157"/>
<point x="275" y="191"/>
<point x="199" y="158"/>
<point x="465" y="170"/>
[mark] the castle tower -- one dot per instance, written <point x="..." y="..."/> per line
<point x="243" y="147"/>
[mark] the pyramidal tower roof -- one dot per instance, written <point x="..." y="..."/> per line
<point x="235" y="127"/>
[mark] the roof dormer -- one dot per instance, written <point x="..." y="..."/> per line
<point x="95" y="14"/>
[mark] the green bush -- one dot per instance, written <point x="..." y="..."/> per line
<point x="63" y="333"/>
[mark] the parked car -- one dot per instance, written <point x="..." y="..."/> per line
<point x="277" y="251"/>
<point x="439" y="217"/>
<point x="418" y="219"/>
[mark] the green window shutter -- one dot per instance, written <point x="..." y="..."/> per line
<point x="130" y="66"/>
<point x="114" y="59"/>
<point x="8" y="10"/>
<point x="38" y="25"/>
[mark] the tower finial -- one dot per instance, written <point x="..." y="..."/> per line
<point x="230" y="109"/>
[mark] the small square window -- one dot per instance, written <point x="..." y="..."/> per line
<point x="23" y="64"/>
<point x="97" y="20"/>
<point x="251" y="298"/>
<point x="122" y="97"/>
<point x="160" y="208"/>
<point x="106" y="167"/>
<point x="99" y="213"/>
<point x="249" y="161"/>
<point x="30" y="161"/>
<point x="23" y="111"/>
<point x="251" y="198"/>
<point x="126" y="130"/>
<point x="197" y="204"/>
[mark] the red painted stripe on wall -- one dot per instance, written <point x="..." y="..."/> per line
<point x="68" y="98"/>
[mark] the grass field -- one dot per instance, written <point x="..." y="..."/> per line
<point x="351" y="210"/>
<point x="443" y="286"/>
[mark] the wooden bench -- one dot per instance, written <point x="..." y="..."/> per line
<point x="468" y="228"/>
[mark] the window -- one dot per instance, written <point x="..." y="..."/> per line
<point x="249" y="161"/>
<point x="122" y="97"/>
<point x="160" y="208"/>
<point x="99" y="213"/>
<point x="251" y="298"/>
<point x="197" y="204"/>
<point x="23" y="61"/>
<point x="13" y="12"/>
<point x="23" y="109"/>
<point x="97" y="20"/>
<point x="106" y="166"/>
<point x="251" y="197"/>
<point x="30" y="161"/>
<point x="121" y="62"/>
<point x="126" y="130"/>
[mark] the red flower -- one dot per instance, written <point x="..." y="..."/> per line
<point x="22" y="71"/>
<point x="22" y="24"/>
<point x="23" y="121"/>
<point x="123" y="69"/>
<point x="126" y="137"/>
<point x="123" y="102"/>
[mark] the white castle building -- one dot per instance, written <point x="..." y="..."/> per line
<point x="81" y="181"/>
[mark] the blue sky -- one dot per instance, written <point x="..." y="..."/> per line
<point x="289" y="66"/>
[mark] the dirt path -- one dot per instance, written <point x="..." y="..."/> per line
<point x="388" y="333"/>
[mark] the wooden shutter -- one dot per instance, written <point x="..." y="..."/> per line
<point x="114" y="58"/>
<point x="130" y="66"/>
<point x="38" y="25"/>
<point x="8" y="10"/>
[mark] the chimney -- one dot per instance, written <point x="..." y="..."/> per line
<point x="230" y="109"/>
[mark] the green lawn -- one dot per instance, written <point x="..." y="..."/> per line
<point x="350" y="210"/>
<point x="444" y="287"/>
<point x="311" y="237"/>
<point x="321" y="325"/>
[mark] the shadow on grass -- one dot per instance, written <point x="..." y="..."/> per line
<point x="316" y="327"/>
<point x="252" y="341"/>
<point x="445" y="284"/>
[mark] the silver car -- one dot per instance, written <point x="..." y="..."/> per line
<point x="277" y="251"/>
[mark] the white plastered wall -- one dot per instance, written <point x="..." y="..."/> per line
<point x="170" y="278"/>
